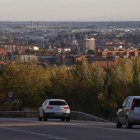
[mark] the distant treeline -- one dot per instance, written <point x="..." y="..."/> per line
<point x="86" y="87"/>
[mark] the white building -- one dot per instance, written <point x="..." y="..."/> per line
<point x="90" y="44"/>
<point x="35" y="48"/>
<point x="11" y="47"/>
<point x="27" y="58"/>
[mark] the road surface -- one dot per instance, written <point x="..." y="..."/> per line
<point x="31" y="129"/>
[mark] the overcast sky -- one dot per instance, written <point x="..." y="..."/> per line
<point x="69" y="10"/>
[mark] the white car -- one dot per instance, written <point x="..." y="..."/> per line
<point x="54" y="108"/>
<point x="129" y="113"/>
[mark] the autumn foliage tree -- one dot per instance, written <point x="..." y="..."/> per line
<point x="86" y="87"/>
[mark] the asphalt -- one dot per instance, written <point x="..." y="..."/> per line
<point x="31" y="129"/>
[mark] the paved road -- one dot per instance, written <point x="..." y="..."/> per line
<point x="31" y="129"/>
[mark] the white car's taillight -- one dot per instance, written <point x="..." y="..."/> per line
<point x="49" y="107"/>
<point x="66" y="107"/>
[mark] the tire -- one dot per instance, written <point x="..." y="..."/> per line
<point x="118" y="124"/>
<point x="39" y="118"/>
<point x="44" y="117"/>
<point x="128" y="124"/>
<point x="62" y="119"/>
<point x="68" y="119"/>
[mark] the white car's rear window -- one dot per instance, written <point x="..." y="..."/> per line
<point x="57" y="103"/>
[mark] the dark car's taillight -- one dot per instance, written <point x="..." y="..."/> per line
<point x="133" y="104"/>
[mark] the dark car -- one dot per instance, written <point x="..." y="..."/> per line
<point x="129" y="113"/>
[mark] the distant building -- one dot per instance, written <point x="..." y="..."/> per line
<point x="49" y="60"/>
<point x="27" y="58"/>
<point x="75" y="49"/>
<point x="90" y="44"/>
<point x="11" y="47"/>
<point x="121" y="53"/>
<point x="3" y="56"/>
<point x="35" y="48"/>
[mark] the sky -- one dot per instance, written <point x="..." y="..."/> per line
<point x="69" y="10"/>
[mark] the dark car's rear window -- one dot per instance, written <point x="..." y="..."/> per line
<point x="57" y="103"/>
<point x="137" y="102"/>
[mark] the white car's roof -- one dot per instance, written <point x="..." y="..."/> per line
<point x="56" y="100"/>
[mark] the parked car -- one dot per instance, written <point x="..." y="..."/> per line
<point x="54" y="108"/>
<point x="129" y="113"/>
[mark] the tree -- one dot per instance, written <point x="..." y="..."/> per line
<point x="91" y="52"/>
<point x="92" y="81"/>
<point x="119" y="85"/>
<point x="136" y="80"/>
<point x="27" y="81"/>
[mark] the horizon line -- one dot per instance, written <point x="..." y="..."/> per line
<point x="69" y="21"/>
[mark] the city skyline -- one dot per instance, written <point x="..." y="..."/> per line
<point x="69" y="10"/>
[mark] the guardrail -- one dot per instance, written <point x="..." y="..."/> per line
<point x="75" y="115"/>
<point x="18" y="114"/>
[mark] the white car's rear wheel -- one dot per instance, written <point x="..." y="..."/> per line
<point x="68" y="119"/>
<point x="39" y="118"/>
<point x="62" y="119"/>
<point x="44" y="117"/>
